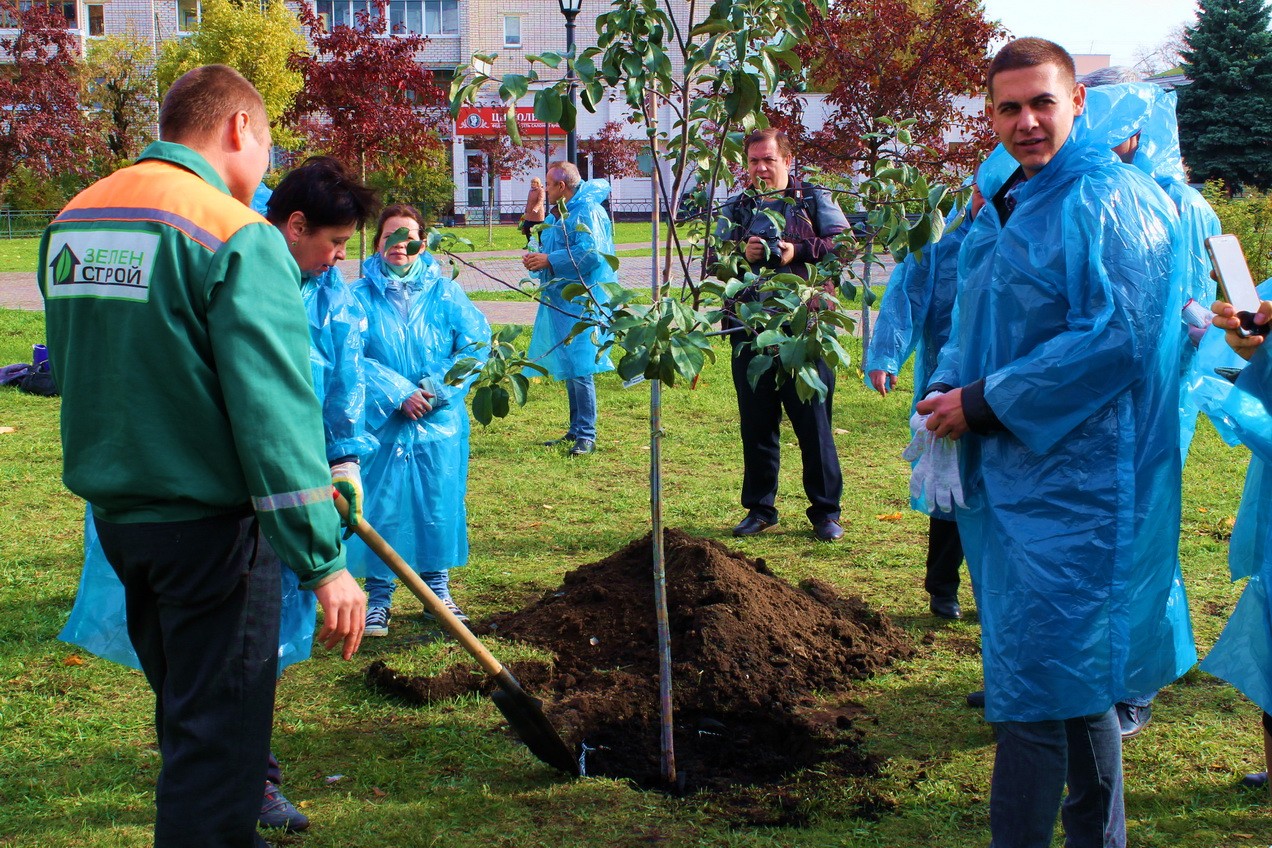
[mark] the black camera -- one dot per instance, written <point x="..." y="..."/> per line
<point x="765" y="228"/>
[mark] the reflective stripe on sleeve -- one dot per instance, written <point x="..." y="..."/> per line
<point x="291" y="500"/>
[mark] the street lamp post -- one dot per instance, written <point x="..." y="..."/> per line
<point x="570" y="9"/>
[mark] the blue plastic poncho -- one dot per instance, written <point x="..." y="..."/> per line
<point x="1243" y="654"/>
<point x="1117" y="112"/>
<point x="336" y="325"/>
<point x="917" y="308"/>
<point x="418" y="326"/>
<point x="574" y="248"/>
<point x="1071" y="532"/>
<point x="1209" y="390"/>
<point x="99" y="618"/>
<point x="260" y="198"/>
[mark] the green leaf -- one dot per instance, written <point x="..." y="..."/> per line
<point x="549" y="58"/>
<point x="920" y="233"/>
<point x="634" y="364"/>
<point x="499" y="405"/>
<point x="758" y="368"/>
<point x="398" y="236"/>
<point x="482" y="405"/>
<point x="458" y="372"/>
<point x="687" y="358"/>
<point x="809" y="383"/>
<point x="569" y="115"/>
<point x="745" y="95"/>
<point x="520" y="388"/>
<point x="547" y="105"/>
<point x="709" y="26"/>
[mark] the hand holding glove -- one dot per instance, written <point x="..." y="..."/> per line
<point x="935" y="484"/>
<point x="946" y="486"/>
<point x="346" y="478"/>
<point x="919" y="453"/>
<point x="432" y="389"/>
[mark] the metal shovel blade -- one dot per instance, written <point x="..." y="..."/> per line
<point x="525" y="717"/>
<point x="525" y="714"/>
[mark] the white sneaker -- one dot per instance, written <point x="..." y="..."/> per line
<point x="454" y="609"/>
<point x="377" y="621"/>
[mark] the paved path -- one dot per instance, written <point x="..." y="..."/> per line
<point x="496" y="270"/>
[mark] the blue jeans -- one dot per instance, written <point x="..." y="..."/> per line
<point x="581" y="392"/>
<point x="1032" y="764"/>
<point x="1141" y="701"/>
<point x="380" y="589"/>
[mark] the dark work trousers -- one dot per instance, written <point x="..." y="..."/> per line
<point x="760" y="412"/>
<point x="203" y="600"/>
<point x="945" y="555"/>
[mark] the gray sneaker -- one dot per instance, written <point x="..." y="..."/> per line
<point x="278" y="812"/>
<point x="377" y="621"/>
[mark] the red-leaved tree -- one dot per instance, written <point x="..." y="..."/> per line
<point x="366" y="99"/>
<point x="612" y="154"/>
<point x="897" y="59"/>
<point x="42" y="127"/>
<point x="500" y="158"/>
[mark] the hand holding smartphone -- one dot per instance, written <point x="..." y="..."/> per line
<point x="1236" y="285"/>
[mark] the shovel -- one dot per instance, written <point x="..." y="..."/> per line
<point x="524" y="713"/>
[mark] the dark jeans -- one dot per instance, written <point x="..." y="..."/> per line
<point x="1032" y="764"/>
<point x="760" y="412"/>
<point x="203" y="600"/>
<point x="945" y="555"/>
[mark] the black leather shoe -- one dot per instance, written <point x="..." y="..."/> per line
<point x="582" y="447"/>
<point x="551" y="443"/>
<point x="1133" y="718"/>
<point x="946" y="608"/>
<point x="828" y="530"/>
<point x="753" y="525"/>
<point x="976" y="700"/>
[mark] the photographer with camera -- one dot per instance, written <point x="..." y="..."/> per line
<point x="809" y="219"/>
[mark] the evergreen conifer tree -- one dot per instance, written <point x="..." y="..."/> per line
<point x="1225" y="115"/>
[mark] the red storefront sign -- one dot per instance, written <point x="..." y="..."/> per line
<point x="492" y="120"/>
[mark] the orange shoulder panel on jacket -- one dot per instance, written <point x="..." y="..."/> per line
<point x="170" y="189"/>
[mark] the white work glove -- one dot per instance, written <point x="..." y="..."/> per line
<point x="431" y="387"/>
<point x="346" y="478"/>
<point x="946" y="487"/>
<point x="919" y="452"/>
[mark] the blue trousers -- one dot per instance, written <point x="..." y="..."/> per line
<point x="581" y="392"/>
<point x="203" y="601"/>
<point x="1032" y="764"/>
<point x="380" y="589"/>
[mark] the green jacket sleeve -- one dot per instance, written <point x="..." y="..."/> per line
<point x="261" y="345"/>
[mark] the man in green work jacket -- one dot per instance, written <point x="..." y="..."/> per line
<point x="178" y="341"/>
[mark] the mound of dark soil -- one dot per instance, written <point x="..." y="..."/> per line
<point x="757" y="666"/>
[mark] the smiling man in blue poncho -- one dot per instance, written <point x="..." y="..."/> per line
<point x="1062" y="378"/>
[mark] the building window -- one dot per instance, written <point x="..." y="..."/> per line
<point x="187" y="15"/>
<point x="96" y="19"/>
<point x="512" y="31"/>
<point x="67" y="10"/>
<point x="423" y="17"/>
<point x="336" y="13"/>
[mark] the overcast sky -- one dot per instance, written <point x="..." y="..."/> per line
<point x="1117" y="27"/>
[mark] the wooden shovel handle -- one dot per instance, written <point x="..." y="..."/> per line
<point x="420" y="589"/>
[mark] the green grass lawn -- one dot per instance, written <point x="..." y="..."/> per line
<point x="78" y="763"/>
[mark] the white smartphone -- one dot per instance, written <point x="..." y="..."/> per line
<point x="1236" y="285"/>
